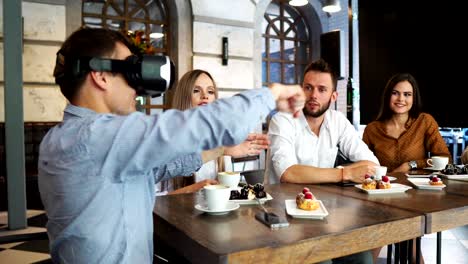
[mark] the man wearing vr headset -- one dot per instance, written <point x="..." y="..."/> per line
<point x="97" y="169"/>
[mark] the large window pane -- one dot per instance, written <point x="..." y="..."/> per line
<point x="264" y="72"/>
<point x="111" y="11"/>
<point x="264" y="54"/>
<point x="92" y="7"/>
<point x="275" y="72"/>
<point x="289" y="50"/>
<point x="289" y="74"/>
<point x="275" y="49"/>
<point x="273" y="10"/>
<point x="288" y="46"/>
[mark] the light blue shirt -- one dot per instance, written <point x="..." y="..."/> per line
<point x="97" y="172"/>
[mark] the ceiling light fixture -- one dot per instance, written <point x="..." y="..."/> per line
<point x="156" y="35"/>
<point x="331" y="6"/>
<point x="298" y="2"/>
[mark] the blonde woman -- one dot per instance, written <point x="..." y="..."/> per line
<point x="196" y="89"/>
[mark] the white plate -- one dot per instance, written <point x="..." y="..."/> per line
<point x="418" y="175"/>
<point x="253" y="201"/>
<point x="292" y="210"/>
<point x="391" y="178"/>
<point x="230" y="207"/>
<point x="433" y="169"/>
<point x="463" y="177"/>
<point x="421" y="183"/>
<point x="396" y="188"/>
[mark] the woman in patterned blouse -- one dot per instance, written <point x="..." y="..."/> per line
<point x="402" y="136"/>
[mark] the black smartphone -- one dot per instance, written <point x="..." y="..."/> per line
<point x="272" y="220"/>
<point x="419" y="172"/>
<point x="346" y="183"/>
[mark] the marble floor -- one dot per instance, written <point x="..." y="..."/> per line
<point x="454" y="245"/>
<point x="34" y="251"/>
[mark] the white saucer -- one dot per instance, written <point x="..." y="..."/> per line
<point x="422" y="183"/>
<point x="433" y="169"/>
<point x="396" y="188"/>
<point x="230" y="207"/>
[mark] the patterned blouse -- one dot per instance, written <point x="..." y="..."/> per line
<point x="421" y="139"/>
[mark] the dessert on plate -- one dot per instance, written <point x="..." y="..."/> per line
<point x="249" y="192"/>
<point x="371" y="184"/>
<point x="452" y="169"/>
<point x="384" y="183"/>
<point x="434" y="180"/>
<point x="305" y="200"/>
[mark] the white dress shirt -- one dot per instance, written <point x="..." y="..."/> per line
<point x="293" y="142"/>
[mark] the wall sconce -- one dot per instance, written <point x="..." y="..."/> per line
<point x="298" y="2"/>
<point x="225" y="54"/>
<point x="331" y="6"/>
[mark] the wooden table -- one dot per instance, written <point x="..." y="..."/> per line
<point x="456" y="187"/>
<point x="443" y="210"/>
<point x="353" y="225"/>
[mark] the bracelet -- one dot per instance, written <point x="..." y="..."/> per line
<point x="220" y="151"/>
<point x="342" y="172"/>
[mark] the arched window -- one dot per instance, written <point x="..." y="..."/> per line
<point x="149" y="16"/>
<point x="286" y="44"/>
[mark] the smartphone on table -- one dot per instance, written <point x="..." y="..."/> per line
<point x="272" y="220"/>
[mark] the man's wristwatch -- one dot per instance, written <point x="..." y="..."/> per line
<point x="413" y="165"/>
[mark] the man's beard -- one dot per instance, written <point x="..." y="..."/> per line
<point x="319" y="112"/>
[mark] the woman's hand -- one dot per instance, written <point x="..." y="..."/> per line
<point x="253" y="145"/>
<point x="404" y="167"/>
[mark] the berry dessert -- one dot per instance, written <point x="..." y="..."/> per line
<point x="249" y="192"/>
<point x="451" y="169"/>
<point x="434" y="180"/>
<point x="305" y="200"/>
<point x="369" y="183"/>
<point x="384" y="183"/>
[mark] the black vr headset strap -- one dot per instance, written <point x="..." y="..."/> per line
<point x="99" y="64"/>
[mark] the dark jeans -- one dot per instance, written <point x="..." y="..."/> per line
<point x="358" y="258"/>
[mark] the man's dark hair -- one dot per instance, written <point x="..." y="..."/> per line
<point x="85" y="42"/>
<point x="321" y="65"/>
<point x="385" y="112"/>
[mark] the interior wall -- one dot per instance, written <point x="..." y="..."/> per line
<point x="199" y="30"/>
<point x="44" y="31"/>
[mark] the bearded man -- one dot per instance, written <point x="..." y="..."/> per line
<point x="304" y="150"/>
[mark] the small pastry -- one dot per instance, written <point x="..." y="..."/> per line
<point x="306" y="201"/>
<point x="384" y="183"/>
<point x="369" y="183"/>
<point x="434" y="180"/>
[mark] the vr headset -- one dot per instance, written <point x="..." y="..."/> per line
<point x="148" y="74"/>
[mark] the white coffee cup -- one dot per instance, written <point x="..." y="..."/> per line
<point x="438" y="162"/>
<point x="216" y="196"/>
<point x="379" y="172"/>
<point x="229" y="178"/>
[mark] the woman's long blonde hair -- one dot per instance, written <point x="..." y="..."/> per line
<point x="182" y="100"/>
